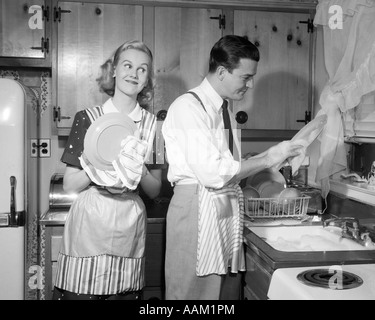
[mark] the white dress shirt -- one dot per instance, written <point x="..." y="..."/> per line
<point x="196" y="146"/>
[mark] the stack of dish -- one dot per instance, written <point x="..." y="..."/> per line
<point x="268" y="183"/>
<point x="266" y="195"/>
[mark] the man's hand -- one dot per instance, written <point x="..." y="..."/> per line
<point x="277" y="155"/>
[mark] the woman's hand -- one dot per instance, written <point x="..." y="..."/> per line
<point x="151" y="182"/>
<point x="75" y="180"/>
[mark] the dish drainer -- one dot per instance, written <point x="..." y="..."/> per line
<point x="274" y="208"/>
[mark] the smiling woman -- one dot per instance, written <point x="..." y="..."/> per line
<point x="104" y="235"/>
<point x="143" y="66"/>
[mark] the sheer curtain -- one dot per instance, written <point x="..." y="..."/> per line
<point x="349" y="54"/>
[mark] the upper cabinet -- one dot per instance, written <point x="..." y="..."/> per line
<point x="183" y="40"/>
<point x="25" y="32"/>
<point x="88" y="34"/>
<point x="281" y="97"/>
<point x="181" y="35"/>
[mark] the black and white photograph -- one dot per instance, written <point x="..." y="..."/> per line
<point x="187" y="155"/>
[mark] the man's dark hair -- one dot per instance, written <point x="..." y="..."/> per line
<point x="228" y="51"/>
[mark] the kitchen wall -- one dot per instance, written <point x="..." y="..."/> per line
<point x="40" y="80"/>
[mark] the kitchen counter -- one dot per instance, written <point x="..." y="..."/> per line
<point x="156" y="213"/>
<point x="281" y="259"/>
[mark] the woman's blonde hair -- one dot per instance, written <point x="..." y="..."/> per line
<point x="107" y="82"/>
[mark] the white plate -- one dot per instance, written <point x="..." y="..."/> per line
<point x="102" y="142"/>
<point x="264" y="176"/>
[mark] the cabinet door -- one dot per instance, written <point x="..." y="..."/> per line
<point x="183" y="40"/>
<point x="23" y="31"/>
<point x="87" y="36"/>
<point x="282" y="84"/>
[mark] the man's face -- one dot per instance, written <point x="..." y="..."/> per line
<point x="241" y="79"/>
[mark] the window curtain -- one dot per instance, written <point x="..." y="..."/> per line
<point x="349" y="54"/>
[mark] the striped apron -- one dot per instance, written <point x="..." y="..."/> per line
<point x="103" y="245"/>
<point x="220" y="230"/>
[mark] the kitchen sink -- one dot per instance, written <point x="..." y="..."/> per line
<point x="307" y="238"/>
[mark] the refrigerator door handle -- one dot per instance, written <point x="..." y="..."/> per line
<point x="13" y="215"/>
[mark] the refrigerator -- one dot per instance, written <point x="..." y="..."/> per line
<point x="18" y="191"/>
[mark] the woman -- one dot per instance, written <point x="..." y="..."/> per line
<point x="102" y="255"/>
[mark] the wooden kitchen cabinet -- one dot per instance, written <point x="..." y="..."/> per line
<point x="54" y="234"/>
<point x="183" y="40"/>
<point x="257" y="277"/>
<point x="87" y="35"/>
<point x="283" y="83"/>
<point x="155" y="253"/>
<point x="25" y="33"/>
<point x="181" y="36"/>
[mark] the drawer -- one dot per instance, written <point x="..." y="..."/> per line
<point x="248" y="294"/>
<point x="55" y="247"/>
<point x="257" y="278"/>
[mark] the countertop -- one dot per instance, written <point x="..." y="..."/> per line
<point x="280" y="259"/>
<point x="156" y="213"/>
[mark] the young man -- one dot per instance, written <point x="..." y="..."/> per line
<point x="204" y="250"/>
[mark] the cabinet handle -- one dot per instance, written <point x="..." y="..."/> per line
<point x="241" y="117"/>
<point x="221" y="19"/>
<point x="58" y="12"/>
<point x="307" y="117"/>
<point x="44" y="45"/>
<point x="57" y="115"/>
<point x="310" y="25"/>
<point x="161" y="115"/>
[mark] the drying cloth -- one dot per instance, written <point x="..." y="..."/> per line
<point x="349" y="52"/>
<point x="305" y="137"/>
<point x="127" y="168"/>
<point x="129" y="163"/>
<point x="220" y="230"/>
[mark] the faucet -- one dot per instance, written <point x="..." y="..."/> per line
<point x="350" y="229"/>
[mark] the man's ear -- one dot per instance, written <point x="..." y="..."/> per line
<point x="220" y="72"/>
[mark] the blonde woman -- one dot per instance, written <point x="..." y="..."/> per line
<point x="102" y="255"/>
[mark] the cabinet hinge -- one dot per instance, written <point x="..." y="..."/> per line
<point x="221" y="19"/>
<point x="57" y="13"/>
<point x="307" y="117"/>
<point x="45" y="13"/>
<point x="310" y="25"/>
<point x="44" y="45"/>
<point x="56" y="114"/>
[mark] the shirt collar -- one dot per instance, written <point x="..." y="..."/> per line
<point x="215" y="98"/>
<point x="135" y="115"/>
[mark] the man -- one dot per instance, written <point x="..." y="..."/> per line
<point x="204" y="249"/>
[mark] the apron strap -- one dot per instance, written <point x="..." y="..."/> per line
<point x="197" y="97"/>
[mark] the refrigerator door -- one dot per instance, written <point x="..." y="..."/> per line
<point x="12" y="169"/>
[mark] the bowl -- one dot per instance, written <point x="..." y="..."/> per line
<point x="270" y="189"/>
<point x="250" y="192"/>
<point x="265" y="176"/>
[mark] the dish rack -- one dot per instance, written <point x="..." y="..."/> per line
<point x="277" y="207"/>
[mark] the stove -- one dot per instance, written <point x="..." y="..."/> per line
<point x="340" y="282"/>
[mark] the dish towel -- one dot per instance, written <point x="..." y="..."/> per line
<point x="220" y="230"/>
<point x="127" y="168"/>
<point x="305" y="137"/>
<point x="129" y="163"/>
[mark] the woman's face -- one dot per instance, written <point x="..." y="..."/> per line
<point x="132" y="72"/>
